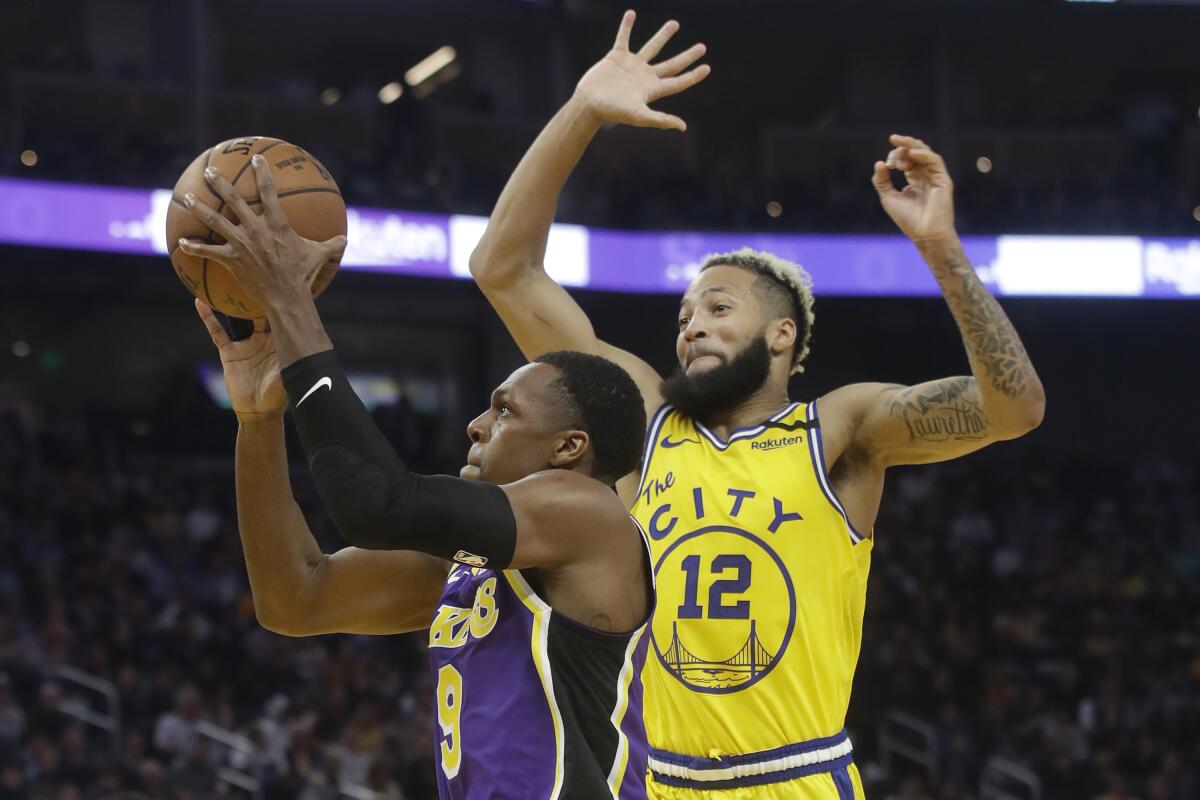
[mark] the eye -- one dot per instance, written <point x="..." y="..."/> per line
<point x="683" y="321"/>
<point x="721" y="307"/>
<point x="505" y="408"/>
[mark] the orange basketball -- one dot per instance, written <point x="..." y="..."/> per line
<point x="307" y="193"/>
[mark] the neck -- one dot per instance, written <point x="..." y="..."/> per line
<point x="752" y="411"/>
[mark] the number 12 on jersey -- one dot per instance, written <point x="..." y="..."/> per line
<point x="717" y="607"/>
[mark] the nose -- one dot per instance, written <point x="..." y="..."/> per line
<point x="694" y="330"/>
<point x="475" y="429"/>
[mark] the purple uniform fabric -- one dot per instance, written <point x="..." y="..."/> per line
<point x="495" y="722"/>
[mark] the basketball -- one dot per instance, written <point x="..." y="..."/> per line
<point x="307" y="193"/>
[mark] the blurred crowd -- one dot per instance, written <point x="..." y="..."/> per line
<point x="409" y="171"/>
<point x="1045" y="613"/>
<point x="1096" y="137"/>
<point x="127" y="565"/>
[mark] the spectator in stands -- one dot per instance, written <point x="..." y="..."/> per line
<point x="995" y="619"/>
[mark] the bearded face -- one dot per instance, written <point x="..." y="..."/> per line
<point x="726" y="383"/>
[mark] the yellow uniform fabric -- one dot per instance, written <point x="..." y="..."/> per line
<point x="761" y="584"/>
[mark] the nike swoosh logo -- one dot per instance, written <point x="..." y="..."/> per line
<point x="326" y="382"/>
<point x="666" y="442"/>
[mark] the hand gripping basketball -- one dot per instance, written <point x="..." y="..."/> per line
<point x="271" y="262"/>
<point x="251" y="368"/>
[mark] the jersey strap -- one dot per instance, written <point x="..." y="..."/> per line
<point x="779" y="764"/>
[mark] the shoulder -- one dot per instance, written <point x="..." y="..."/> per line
<point x="572" y="498"/>
<point x="852" y="403"/>
<point x="562" y="518"/>
<point x="855" y="398"/>
<point x="659" y="414"/>
<point x="843" y="412"/>
<point x="567" y="519"/>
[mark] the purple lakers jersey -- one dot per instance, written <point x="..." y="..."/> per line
<point x="532" y="705"/>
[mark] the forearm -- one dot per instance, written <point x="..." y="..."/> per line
<point x="296" y="327"/>
<point x="1012" y="394"/>
<point x="376" y="502"/>
<point x="516" y="234"/>
<point x="281" y="554"/>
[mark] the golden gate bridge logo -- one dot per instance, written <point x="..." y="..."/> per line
<point x="715" y="619"/>
<point x="744" y="666"/>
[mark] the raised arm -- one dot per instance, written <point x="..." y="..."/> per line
<point x="297" y="589"/>
<point x="508" y="262"/>
<point x="942" y="419"/>
<point x="376" y="502"/>
<point x="300" y="591"/>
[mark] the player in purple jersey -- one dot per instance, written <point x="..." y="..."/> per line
<point x="533" y="580"/>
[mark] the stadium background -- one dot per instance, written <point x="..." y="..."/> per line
<point x="1033" y="624"/>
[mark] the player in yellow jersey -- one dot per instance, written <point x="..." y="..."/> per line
<point x="760" y="510"/>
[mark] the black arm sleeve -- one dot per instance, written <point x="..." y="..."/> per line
<point x="372" y="497"/>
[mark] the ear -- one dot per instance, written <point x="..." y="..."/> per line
<point x="781" y="335"/>
<point x="570" y="450"/>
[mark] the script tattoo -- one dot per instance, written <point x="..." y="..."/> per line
<point x="989" y="336"/>
<point x="944" y="411"/>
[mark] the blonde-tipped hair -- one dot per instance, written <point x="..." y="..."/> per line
<point x="791" y="277"/>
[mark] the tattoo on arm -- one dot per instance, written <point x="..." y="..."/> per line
<point x="949" y="410"/>
<point x="990" y="338"/>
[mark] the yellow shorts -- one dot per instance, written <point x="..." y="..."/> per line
<point x="823" y="786"/>
<point x="820" y="769"/>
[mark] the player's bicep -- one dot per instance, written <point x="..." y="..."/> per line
<point x="372" y="592"/>
<point x="557" y="515"/>
<point x="650" y="385"/>
<point x="541" y="316"/>
<point x="933" y="421"/>
<point x="647" y="379"/>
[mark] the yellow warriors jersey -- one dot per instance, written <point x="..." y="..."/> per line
<point x="761" y="584"/>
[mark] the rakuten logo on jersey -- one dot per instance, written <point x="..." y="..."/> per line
<point x="773" y="444"/>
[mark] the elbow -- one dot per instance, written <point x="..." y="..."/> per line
<point x="494" y="271"/>
<point x="482" y="264"/>
<point x="1037" y="415"/>
<point x="477" y="262"/>
<point x="366" y="532"/>
<point x="1035" y="407"/>
<point x="292" y="631"/>
<point x="291" y="612"/>
<point x="1029" y="414"/>
<point x="279" y="621"/>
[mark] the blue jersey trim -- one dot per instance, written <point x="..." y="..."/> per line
<point x="817" y="451"/>
<point x="845" y="786"/>
<point x="652" y="431"/>
<point x="742" y="433"/>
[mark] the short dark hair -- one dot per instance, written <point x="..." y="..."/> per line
<point x="783" y="289"/>
<point x="601" y="399"/>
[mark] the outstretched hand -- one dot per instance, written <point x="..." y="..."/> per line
<point x="271" y="262"/>
<point x="620" y="87"/>
<point x="924" y="208"/>
<point x="251" y="369"/>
